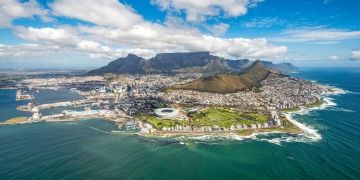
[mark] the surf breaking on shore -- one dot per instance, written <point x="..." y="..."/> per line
<point x="309" y="135"/>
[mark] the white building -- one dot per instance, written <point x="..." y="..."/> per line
<point x="166" y="112"/>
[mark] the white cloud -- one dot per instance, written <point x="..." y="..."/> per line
<point x="64" y="39"/>
<point x="13" y="9"/>
<point x="316" y="34"/>
<point x="117" y="25"/>
<point x="65" y="35"/>
<point x="161" y="39"/>
<point x="199" y="10"/>
<point x="26" y="50"/>
<point x="218" y="29"/>
<point x="355" y="55"/>
<point x="155" y="37"/>
<point x="262" y="22"/>
<point x="105" y="12"/>
<point x="333" y="57"/>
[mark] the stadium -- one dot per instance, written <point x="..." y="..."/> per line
<point x="166" y="112"/>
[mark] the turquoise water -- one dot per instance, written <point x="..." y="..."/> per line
<point x="85" y="149"/>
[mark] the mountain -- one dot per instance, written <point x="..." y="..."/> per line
<point x="230" y="83"/>
<point x="283" y="67"/>
<point x="131" y="64"/>
<point x="201" y="62"/>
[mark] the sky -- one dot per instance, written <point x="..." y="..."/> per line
<point x="85" y="34"/>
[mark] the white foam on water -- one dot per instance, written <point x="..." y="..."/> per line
<point x="309" y="131"/>
<point x="336" y="91"/>
<point x="328" y="102"/>
<point x="99" y="130"/>
<point x="343" y="109"/>
<point x="355" y="92"/>
<point x="289" y="157"/>
<point x="276" y="141"/>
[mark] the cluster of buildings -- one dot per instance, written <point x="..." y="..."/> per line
<point x="54" y="83"/>
<point x="273" y="122"/>
<point x="127" y="95"/>
<point x="287" y="92"/>
<point x="215" y="128"/>
<point x="244" y="99"/>
<point x="23" y="95"/>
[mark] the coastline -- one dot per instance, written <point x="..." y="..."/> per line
<point x="304" y="130"/>
<point x="300" y="130"/>
<point x="15" y="120"/>
<point x="309" y="131"/>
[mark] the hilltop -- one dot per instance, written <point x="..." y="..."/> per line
<point x="196" y="62"/>
<point x="230" y="83"/>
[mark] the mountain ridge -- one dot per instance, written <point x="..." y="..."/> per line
<point x="202" y="62"/>
<point x="231" y="83"/>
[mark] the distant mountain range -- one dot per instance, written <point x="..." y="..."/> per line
<point x="230" y="83"/>
<point x="201" y="62"/>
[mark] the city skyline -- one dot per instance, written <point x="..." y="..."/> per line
<point x="89" y="34"/>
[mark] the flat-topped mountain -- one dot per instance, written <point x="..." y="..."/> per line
<point x="202" y="62"/>
<point x="230" y="83"/>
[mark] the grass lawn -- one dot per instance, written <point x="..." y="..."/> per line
<point x="225" y="117"/>
<point x="160" y="123"/>
<point x="286" y="127"/>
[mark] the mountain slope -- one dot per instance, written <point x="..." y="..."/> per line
<point x="283" y="67"/>
<point x="194" y="62"/>
<point x="128" y="65"/>
<point x="230" y="83"/>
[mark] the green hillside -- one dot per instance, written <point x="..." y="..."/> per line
<point x="230" y="83"/>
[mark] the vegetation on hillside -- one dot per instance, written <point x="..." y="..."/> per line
<point x="230" y="83"/>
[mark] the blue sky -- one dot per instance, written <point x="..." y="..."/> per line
<point x="83" y="34"/>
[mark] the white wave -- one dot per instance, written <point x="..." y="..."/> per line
<point x="309" y="131"/>
<point x="336" y="91"/>
<point x="303" y="138"/>
<point x="310" y="134"/>
<point x="99" y="130"/>
<point x="289" y="157"/>
<point x="328" y="102"/>
<point x="276" y="141"/>
<point x="343" y="109"/>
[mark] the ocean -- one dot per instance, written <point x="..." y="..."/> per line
<point x="87" y="150"/>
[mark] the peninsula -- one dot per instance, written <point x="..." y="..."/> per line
<point x="188" y="94"/>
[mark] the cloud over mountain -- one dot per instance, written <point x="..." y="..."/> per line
<point x="115" y="29"/>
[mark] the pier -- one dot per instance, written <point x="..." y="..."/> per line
<point x="21" y="95"/>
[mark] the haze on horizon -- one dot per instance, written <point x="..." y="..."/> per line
<point x="84" y="34"/>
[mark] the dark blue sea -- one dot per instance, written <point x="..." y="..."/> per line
<point x="87" y="150"/>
